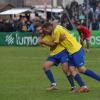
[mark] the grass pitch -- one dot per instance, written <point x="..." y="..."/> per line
<point x="22" y="77"/>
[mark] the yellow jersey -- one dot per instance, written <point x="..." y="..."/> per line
<point x="69" y="43"/>
<point x="58" y="49"/>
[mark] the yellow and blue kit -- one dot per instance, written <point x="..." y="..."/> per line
<point x="73" y="47"/>
<point x="58" y="55"/>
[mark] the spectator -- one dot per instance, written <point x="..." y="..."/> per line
<point x="97" y="12"/>
<point x="95" y="25"/>
<point x="30" y="26"/>
<point x="1" y="26"/>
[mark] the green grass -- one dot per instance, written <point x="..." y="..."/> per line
<point x="22" y="77"/>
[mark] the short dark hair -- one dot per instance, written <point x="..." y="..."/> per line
<point x="38" y="25"/>
<point x="46" y="25"/>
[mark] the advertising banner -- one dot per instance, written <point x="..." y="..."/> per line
<point x="29" y="39"/>
<point x="95" y="38"/>
<point x="18" y="39"/>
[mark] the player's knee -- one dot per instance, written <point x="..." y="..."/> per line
<point x="82" y="69"/>
<point x="73" y="71"/>
<point x="65" y="66"/>
<point x="46" y="67"/>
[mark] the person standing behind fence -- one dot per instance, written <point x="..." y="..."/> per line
<point x="85" y="34"/>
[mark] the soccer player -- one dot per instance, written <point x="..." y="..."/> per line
<point x="59" y="55"/>
<point x="85" y="34"/>
<point x="62" y="36"/>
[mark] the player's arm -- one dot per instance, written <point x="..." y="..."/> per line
<point x="81" y="36"/>
<point x="51" y="44"/>
<point x="41" y="40"/>
<point x="80" y="32"/>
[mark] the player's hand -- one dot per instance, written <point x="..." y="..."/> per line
<point x="52" y="48"/>
<point x="62" y="37"/>
<point x="40" y="41"/>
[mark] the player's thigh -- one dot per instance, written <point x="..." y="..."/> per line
<point x="65" y="67"/>
<point x="64" y="61"/>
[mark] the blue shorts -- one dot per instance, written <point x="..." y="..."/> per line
<point x="77" y="59"/>
<point x="61" y="57"/>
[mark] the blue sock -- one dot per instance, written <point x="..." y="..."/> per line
<point x="71" y="80"/>
<point x="92" y="74"/>
<point x="79" y="80"/>
<point x="50" y="76"/>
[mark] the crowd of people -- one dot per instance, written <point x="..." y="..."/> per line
<point x="87" y="14"/>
